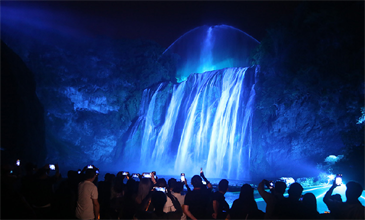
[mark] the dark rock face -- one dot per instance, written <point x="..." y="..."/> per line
<point x="91" y="93"/>
<point x="22" y="114"/>
<point x="310" y="90"/>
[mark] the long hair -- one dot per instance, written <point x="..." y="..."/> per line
<point x="144" y="188"/>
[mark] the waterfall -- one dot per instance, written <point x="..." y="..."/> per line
<point x="207" y="123"/>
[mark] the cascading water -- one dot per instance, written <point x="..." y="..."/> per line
<point x="205" y="121"/>
<point x="207" y="124"/>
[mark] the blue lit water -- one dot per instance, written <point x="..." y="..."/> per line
<point x="207" y="123"/>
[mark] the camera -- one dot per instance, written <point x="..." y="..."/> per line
<point x="17" y="162"/>
<point x="52" y="167"/>
<point x="338" y="179"/>
<point x="160" y="189"/>
<point x="182" y="177"/>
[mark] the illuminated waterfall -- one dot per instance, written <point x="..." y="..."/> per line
<point x="206" y="119"/>
<point x="207" y="123"/>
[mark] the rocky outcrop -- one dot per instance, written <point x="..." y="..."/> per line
<point x="91" y="94"/>
<point x="22" y="114"/>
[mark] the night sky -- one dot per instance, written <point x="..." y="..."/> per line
<point x="162" y="22"/>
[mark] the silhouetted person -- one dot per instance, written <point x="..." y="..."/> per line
<point x="66" y="196"/>
<point x="352" y="208"/>
<point x="42" y="193"/>
<point x="26" y="181"/>
<point x="13" y="204"/>
<point x="245" y="207"/>
<point x="168" y="205"/>
<point x="310" y="206"/>
<point x="276" y="194"/>
<point x="87" y="204"/>
<point x="197" y="200"/>
<point x="116" y="196"/>
<point x="104" y="190"/>
<point x="220" y="207"/>
<point x="291" y="207"/>
<point x="129" y="204"/>
<point x="177" y="189"/>
<point x="143" y="197"/>
<point x="158" y="200"/>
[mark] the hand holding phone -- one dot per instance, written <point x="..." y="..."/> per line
<point x="160" y="189"/>
<point x="338" y="179"/>
<point x="182" y="177"/>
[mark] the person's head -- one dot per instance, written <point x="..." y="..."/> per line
<point x="144" y="187"/>
<point x="295" y="191"/>
<point x="310" y="202"/>
<point x="172" y="183"/>
<point x="196" y="181"/>
<point x="223" y="185"/>
<point x="353" y="191"/>
<point x="178" y="187"/>
<point x="161" y="182"/>
<point x="107" y="177"/>
<point x="130" y="186"/>
<point x="90" y="174"/>
<point x="246" y="192"/>
<point x="280" y="187"/>
<point x="158" y="200"/>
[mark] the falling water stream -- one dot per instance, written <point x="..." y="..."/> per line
<point x="205" y="120"/>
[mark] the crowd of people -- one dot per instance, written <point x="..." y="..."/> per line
<point x="35" y="194"/>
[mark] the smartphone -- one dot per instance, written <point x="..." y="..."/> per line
<point x="271" y="184"/>
<point x="11" y="171"/>
<point x="146" y="175"/>
<point x="160" y="189"/>
<point x="90" y="167"/>
<point x="205" y="183"/>
<point x="52" y="167"/>
<point x="182" y="177"/>
<point x="17" y="162"/>
<point x="97" y="172"/>
<point x="125" y="173"/>
<point x="135" y="175"/>
<point x="338" y="179"/>
<point x="79" y="172"/>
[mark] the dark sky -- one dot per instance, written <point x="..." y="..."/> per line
<point x="162" y="21"/>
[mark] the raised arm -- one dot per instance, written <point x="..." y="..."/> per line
<point x="261" y="188"/>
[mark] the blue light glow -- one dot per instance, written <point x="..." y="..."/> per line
<point x="211" y="48"/>
<point x="208" y="124"/>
